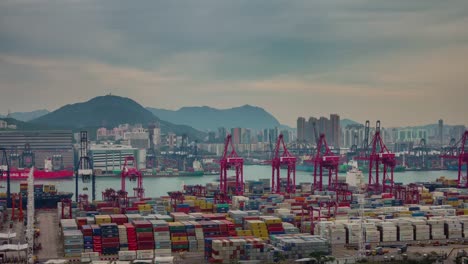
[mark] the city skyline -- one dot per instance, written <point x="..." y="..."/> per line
<point x="401" y="62"/>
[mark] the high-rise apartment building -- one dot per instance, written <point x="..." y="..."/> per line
<point x="309" y="130"/>
<point x="457" y="132"/>
<point x="441" y="132"/>
<point x="353" y="134"/>
<point x="222" y="133"/>
<point x="301" y="123"/>
<point x="322" y="125"/>
<point x="236" y="135"/>
<point x="335" y="131"/>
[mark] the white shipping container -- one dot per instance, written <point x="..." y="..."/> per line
<point x="127" y="255"/>
<point x="145" y="254"/>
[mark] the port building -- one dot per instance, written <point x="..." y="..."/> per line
<point x="108" y="159"/>
<point x="43" y="144"/>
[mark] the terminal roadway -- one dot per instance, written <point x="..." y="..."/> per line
<point x="49" y="237"/>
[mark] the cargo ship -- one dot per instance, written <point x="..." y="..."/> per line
<point x="46" y="173"/>
<point x="171" y="173"/>
<point x="45" y="195"/>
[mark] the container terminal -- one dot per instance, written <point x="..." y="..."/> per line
<point x="237" y="220"/>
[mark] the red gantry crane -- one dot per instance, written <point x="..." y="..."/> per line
<point x="130" y="171"/>
<point x="176" y="199"/>
<point x="461" y="154"/>
<point x="379" y="155"/>
<point x="325" y="159"/>
<point x="284" y="159"/>
<point x="231" y="160"/>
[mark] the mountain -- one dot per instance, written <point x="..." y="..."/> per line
<point x="345" y="122"/>
<point x="109" y="111"/>
<point x="208" y="118"/>
<point x="27" y="116"/>
<point x="20" y="125"/>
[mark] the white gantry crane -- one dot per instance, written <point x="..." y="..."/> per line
<point x="30" y="217"/>
<point x="362" y="241"/>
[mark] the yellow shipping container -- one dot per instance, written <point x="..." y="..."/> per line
<point x="175" y="224"/>
<point x="273" y="221"/>
<point x="244" y="232"/>
<point x="179" y="239"/>
<point x="102" y="219"/>
<point x="404" y="212"/>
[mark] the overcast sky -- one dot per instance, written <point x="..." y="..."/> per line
<point x="401" y="61"/>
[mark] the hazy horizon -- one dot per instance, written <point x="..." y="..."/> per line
<point x="399" y="61"/>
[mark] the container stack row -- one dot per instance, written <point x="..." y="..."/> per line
<point x="258" y="227"/>
<point x="388" y="231"/>
<point x="110" y="239"/>
<point x="453" y="228"/>
<point x="144" y="234"/>
<point x="405" y="230"/>
<point x="162" y="236"/>
<point x="437" y="228"/>
<point x="131" y="236"/>
<point x="229" y="250"/>
<point x="72" y="238"/>
<point x="88" y="238"/>
<point x="300" y="245"/>
<point x="274" y="225"/>
<point x="179" y="238"/>
<point x="97" y="238"/>
<point x="123" y="238"/>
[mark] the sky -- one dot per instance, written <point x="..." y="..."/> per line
<point x="401" y="61"/>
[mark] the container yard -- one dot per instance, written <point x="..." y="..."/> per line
<point x="278" y="228"/>
<point x="254" y="221"/>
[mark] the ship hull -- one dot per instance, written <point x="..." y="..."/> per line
<point x="39" y="174"/>
<point x="46" y="201"/>
<point x="455" y="167"/>
<point x="173" y="174"/>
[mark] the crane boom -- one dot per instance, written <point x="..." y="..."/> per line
<point x="315" y="133"/>
<point x="365" y="143"/>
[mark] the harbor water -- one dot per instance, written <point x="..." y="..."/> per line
<point x="160" y="186"/>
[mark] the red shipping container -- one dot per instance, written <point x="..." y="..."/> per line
<point x="180" y="242"/>
<point x="161" y="229"/>
<point x="143" y="235"/>
<point x="275" y="229"/>
<point x="142" y="224"/>
<point x="110" y="245"/>
<point x="103" y="204"/>
<point x="110" y="240"/>
<point x="145" y="245"/>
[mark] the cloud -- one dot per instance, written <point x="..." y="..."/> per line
<point x="359" y="58"/>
